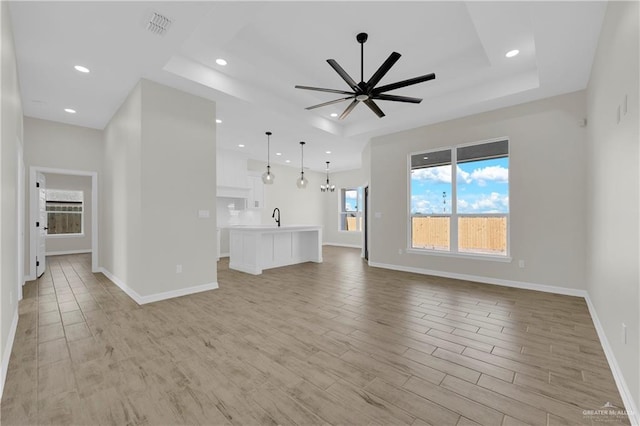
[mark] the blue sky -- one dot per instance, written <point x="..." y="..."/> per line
<point x="351" y="200"/>
<point x="483" y="187"/>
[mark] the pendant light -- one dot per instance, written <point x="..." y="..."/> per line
<point x="302" y="182"/>
<point x="268" y="177"/>
<point x="328" y="187"/>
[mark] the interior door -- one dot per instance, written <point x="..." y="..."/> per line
<point x="20" y="212"/>
<point x="366" y="222"/>
<point x="41" y="225"/>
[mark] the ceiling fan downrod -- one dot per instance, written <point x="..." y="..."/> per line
<point x="362" y="39"/>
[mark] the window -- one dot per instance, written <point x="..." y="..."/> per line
<point x="350" y="209"/>
<point x="464" y="212"/>
<point x="65" y="212"/>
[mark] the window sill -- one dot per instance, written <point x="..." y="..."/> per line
<point x="349" y="232"/>
<point x="65" y="236"/>
<point x="471" y="256"/>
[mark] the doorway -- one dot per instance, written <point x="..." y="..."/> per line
<point x="41" y="225"/>
<point x="37" y="233"/>
<point x="366" y="223"/>
<point x="20" y="205"/>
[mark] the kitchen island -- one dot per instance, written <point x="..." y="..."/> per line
<point x="254" y="248"/>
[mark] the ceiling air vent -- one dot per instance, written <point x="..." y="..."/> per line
<point x="158" y="24"/>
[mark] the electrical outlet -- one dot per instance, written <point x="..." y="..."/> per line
<point x="521" y="263"/>
<point x="178" y="269"/>
<point x="624" y="333"/>
<point x="399" y="251"/>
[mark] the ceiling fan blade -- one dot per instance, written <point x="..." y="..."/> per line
<point x="384" y="68"/>
<point x="403" y="83"/>
<point x="320" y="89"/>
<point x="350" y="108"/>
<point x="373" y="107"/>
<point x="330" y="102"/>
<point x="384" y="97"/>
<point x="346" y="77"/>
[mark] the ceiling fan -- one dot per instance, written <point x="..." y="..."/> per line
<point x="368" y="92"/>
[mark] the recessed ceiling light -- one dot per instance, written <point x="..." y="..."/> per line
<point x="512" y="53"/>
<point x="287" y="161"/>
<point x="221" y="61"/>
<point x="327" y="152"/>
<point x="425" y="158"/>
<point x="70" y="111"/>
<point x="334" y="114"/>
<point x="218" y="121"/>
<point x="241" y="145"/>
<point x="81" y="68"/>
<point x="278" y="153"/>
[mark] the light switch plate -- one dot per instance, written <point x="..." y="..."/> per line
<point x="204" y="214"/>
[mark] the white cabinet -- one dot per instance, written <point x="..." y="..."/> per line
<point x="256" y="191"/>
<point x="231" y="170"/>
<point x="255" y="248"/>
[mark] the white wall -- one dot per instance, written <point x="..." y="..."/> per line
<point x="297" y="206"/>
<point x="61" y="244"/>
<point x="331" y="202"/>
<point x="12" y="137"/>
<point x="159" y="172"/>
<point x="120" y="213"/>
<point x="62" y="146"/>
<point x="613" y="178"/>
<point x="547" y="192"/>
<point x="54" y="145"/>
<point x="178" y="180"/>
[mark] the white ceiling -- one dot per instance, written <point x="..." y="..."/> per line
<point x="272" y="46"/>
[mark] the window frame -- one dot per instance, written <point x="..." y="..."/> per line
<point x="454" y="215"/>
<point x="81" y="213"/>
<point x="358" y="212"/>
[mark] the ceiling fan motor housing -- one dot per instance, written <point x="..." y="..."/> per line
<point x="362" y="37"/>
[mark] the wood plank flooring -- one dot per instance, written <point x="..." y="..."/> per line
<point x="334" y="343"/>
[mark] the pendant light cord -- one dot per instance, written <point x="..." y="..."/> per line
<point x="327" y="174"/>
<point x="268" y="150"/>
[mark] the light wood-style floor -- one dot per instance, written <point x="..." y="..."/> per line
<point x="331" y="343"/>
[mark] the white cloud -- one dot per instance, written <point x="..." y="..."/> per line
<point x="491" y="173"/>
<point x="492" y="203"/>
<point x="463" y="176"/>
<point x="441" y="174"/>
<point x="419" y="204"/>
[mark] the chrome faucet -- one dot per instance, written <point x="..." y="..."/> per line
<point x="274" y="216"/>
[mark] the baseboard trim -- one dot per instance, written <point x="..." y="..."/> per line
<point x="142" y="300"/>
<point x="6" y="356"/>
<point x="486" y="280"/>
<point x="65" y="252"/>
<point x="178" y="293"/>
<point x="627" y="399"/>
<point x="123" y="286"/>
<point x="358" y="246"/>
